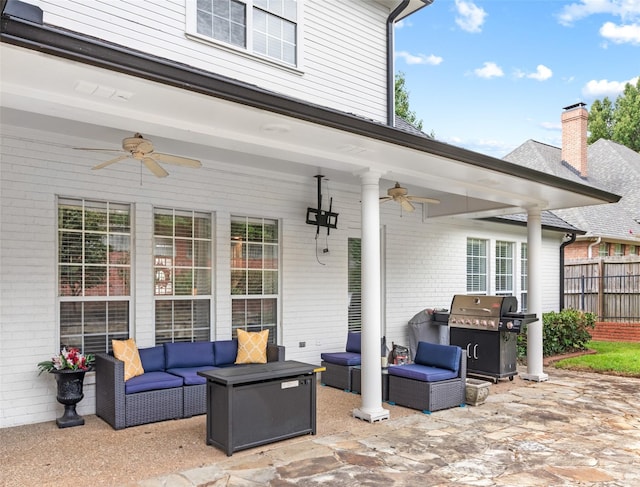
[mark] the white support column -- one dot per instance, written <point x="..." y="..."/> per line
<point x="371" y="409"/>
<point x="534" y="291"/>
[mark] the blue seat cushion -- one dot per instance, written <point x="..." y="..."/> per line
<point x="341" y="358"/>
<point x="151" y="381"/>
<point x="436" y="355"/>
<point x="225" y="351"/>
<point x="190" y="374"/>
<point x="354" y="342"/>
<point x="188" y="354"/>
<point x="152" y="358"/>
<point x="424" y="373"/>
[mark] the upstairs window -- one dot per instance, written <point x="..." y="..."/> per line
<point x="263" y="27"/>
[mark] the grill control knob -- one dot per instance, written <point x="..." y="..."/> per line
<point x="468" y="322"/>
<point x="453" y="320"/>
<point x="492" y="324"/>
<point x="476" y="322"/>
<point x="509" y="325"/>
<point x="484" y="323"/>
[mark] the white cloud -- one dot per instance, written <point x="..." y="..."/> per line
<point x="419" y="58"/>
<point x="601" y="88"/>
<point x="489" y="70"/>
<point x="470" y="17"/>
<point x="542" y="73"/>
<point x="625" y="9"/>
<point x="551" y="125"/>
<point x="621" y="34"/>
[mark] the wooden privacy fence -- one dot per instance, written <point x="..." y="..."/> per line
<point x="607" y="287"/>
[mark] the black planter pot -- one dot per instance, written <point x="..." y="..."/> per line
<point x="70" y="393"/>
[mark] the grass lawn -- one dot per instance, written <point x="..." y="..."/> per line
<point x="615" y="358"/>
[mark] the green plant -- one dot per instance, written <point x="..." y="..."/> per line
<point x="563" y="332"/>
<point x="614" y="358"/>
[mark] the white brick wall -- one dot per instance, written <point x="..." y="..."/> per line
<point x="424" y="262"/>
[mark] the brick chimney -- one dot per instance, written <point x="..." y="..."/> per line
<point x="574" y="138"/>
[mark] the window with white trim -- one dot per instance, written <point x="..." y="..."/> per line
<point x="182" y="275"/>
<point x="354" y="285"/>
<point x="266" y="28"/>
<point x="477" y="266"/>
<point x="618" y="250"/>
<point x="94" y="273"/>
<point x="255" y="263"/>
<point x="524" y="276"/>
<point x="504" y="268"/>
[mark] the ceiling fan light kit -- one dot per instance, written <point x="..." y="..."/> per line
<point x="141" y="149"/>
<point x="400" y="195"/>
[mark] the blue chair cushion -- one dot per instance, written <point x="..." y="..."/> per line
<point x="151" y="381"/>
<point x="341" y="358"/>
<point x="422" y="373"/>
<point x="436" y="355"/>
<point x="354" y="342"/>
<point x="225" y="351"/>
<point x="190" y="374"/>
<point x="152" y="358"/>
<point x="188" y="354"/>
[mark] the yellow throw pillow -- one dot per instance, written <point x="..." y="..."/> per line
<point x="127" y="351"/>
<point x="252" y="347"/>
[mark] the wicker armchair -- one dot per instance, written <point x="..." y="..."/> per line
<point x="437" y="380"/>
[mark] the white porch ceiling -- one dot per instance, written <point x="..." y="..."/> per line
<point x="52" y="93"/>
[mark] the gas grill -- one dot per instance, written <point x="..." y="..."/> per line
<point x="486" y="328"/>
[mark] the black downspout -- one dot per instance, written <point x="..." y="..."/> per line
<point x="391" y="79"/>
<point x="572" y="238"/>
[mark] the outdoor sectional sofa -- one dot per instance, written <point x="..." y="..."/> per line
<point x="169" y="388"/>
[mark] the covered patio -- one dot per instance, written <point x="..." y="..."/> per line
<point x="575" y="428"/>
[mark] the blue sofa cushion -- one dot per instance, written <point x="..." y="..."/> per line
<point x="341" y="358"/>
<point x="152" y="358"/>
<point x="225" y="351"/>
<point x="190" y="374"/>
<point x="424" y="373"/>
<point x="354" y="342"/>
<point x="151" y="381"/>
<point x="436" y="355"/>
<point x="188" y="354"/>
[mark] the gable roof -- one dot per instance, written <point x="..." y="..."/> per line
<point x="611" y="167"/>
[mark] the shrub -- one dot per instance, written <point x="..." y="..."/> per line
<point x="563" y="332"/>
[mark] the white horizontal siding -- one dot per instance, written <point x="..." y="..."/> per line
<point x="344" y="47"/>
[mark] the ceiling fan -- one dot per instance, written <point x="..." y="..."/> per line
<point x="399" y="195"/>
<point x="141" y="149"/>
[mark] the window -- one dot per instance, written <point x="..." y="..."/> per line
<point x="476" y="266"/>
<point x="633" y="250"/>
<point x="182" y="275"/>
<point x="603" y="250"/>
<point x="504" y="268"/>
<point x="264" y="27"/>
<point x="254" y="275"/>
<point x="94" y="273"/>
<point x="618" y="249"/>
<point x="354" y="285"/>
<point x="524" y="275"/>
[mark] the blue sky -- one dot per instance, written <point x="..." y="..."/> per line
<point x="488" y="75"/>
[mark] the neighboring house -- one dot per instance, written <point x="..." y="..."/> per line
<point x="609" y="230"/>
<point x="267" y="95"/>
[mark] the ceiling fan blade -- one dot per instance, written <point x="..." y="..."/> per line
<point x="406" y="204"/>
<point x="384" y="199"/>
<point x="154" y="167"/>
<point x="110" y="161"/>
<point x="420" y="199"/>
<point x="180" y="161"/>
<point x="94" y="149"/>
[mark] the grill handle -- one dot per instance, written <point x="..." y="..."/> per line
<point x="475" y="310"/>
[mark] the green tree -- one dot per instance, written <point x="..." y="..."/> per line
<point x="621" y="122"/>
<point x="600" y="120"/>
<point x="402" y="102"/>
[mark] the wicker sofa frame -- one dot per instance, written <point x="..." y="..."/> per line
<point x="122" y="410"/>
<point x="429" y="396"/>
